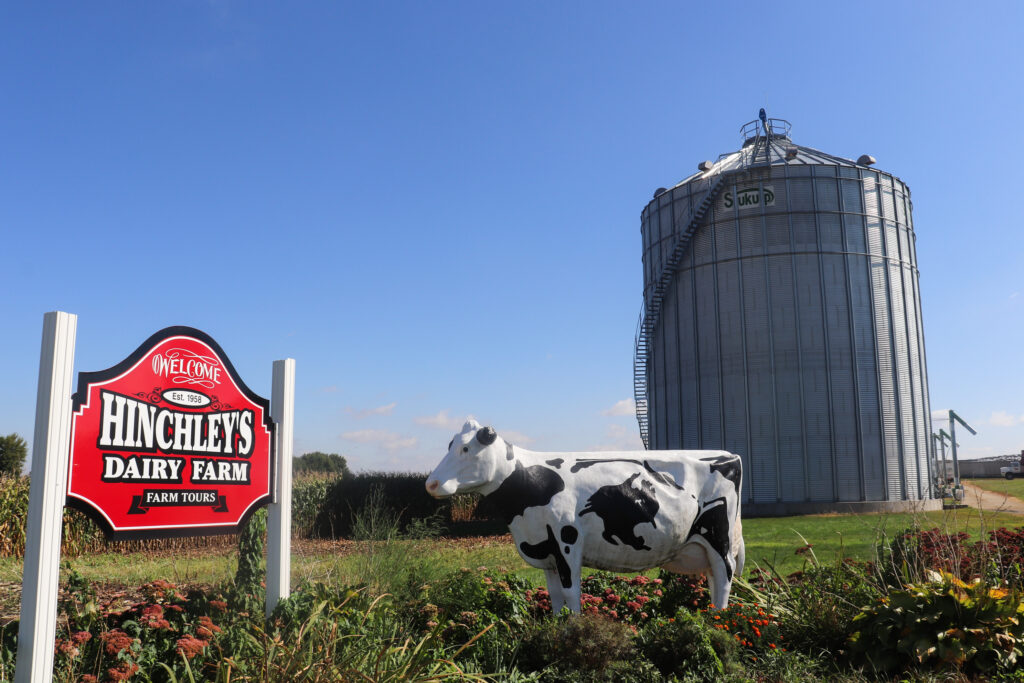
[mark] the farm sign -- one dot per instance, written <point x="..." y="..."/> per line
<point x="170" y="442"/>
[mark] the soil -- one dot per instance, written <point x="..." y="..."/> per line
<point x="991" y="501"/>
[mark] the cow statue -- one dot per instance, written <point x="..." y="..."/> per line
<point x="621" y="511"/>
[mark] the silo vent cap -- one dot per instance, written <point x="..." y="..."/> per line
<point x="865" y="160"/>
<point x="705" y="166"/>
<point x="660" y="191"/>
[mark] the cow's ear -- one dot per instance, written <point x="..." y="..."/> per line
<point x="486" y="436"/>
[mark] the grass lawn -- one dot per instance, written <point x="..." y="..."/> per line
<point x="1013" y="487"/>
<point x="768" y="541"/>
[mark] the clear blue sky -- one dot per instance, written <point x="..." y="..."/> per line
<point x="434" y="207"/>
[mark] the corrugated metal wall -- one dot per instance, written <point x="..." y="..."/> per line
<point x="792" y="333"/>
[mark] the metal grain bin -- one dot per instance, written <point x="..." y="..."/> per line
<point x="782" y="322"/>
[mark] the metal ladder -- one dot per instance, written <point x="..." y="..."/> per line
<point x="650" y="313"/>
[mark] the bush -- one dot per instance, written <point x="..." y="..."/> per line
<point x="911" y="553"/>
<point x="818" y="603"/>
<point x="948" y="624"/>
<point x="632" y="599"/>
<point x="755" y="629"/>
<point x="684" y="646"/>
<point x="585" y="642"/>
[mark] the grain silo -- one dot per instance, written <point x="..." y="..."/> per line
<point x="782" y="322"/>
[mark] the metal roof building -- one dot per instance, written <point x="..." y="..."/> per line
<point x="782" y="322"/>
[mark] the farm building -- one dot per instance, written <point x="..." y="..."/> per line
<point x="782" y="321"/>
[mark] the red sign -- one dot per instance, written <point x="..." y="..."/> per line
<point x="170" y="442"/>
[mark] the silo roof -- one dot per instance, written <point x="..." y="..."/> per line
<point x="772" y="149"/>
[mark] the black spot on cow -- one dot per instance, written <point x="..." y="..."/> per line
<point x="621" y="507"/>
<point x="583" y="463"/>
<point x="729" y="466"/>
<point x="549" y="548"/>
<point x="712" y="524"/>
<point x="556" y="463"/>
<point x="526" y="487"/>
<point x="569" y="534"/>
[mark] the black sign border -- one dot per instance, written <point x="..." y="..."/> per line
<point x="85" y="379"/>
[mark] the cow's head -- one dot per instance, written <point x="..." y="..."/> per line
<point x="473" y="461"/>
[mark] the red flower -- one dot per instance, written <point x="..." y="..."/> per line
<point x="123" y="671"/>
<point x="207" y="622"/>
<point x="117" y="641"/>
<point x="189" y="646"/>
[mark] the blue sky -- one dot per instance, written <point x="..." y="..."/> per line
<point x="434" y="207"/>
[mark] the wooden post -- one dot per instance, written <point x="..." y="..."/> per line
<point x="279" y="516"/>
<point x="50" y="444"/>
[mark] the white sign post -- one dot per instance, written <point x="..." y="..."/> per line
<point x="279" y="515"/>
<point x="50" y="445"/>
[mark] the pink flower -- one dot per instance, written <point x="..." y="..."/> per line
<point x="189" y="646"/>
<point x="123" y="671"/>
<point x="117" y="641"/>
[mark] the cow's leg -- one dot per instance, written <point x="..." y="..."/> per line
<point x="741" y="550"/>
<point x="556" y="591"/>
<point x="696" y="557"/>
<point x="719" y="584"/>
<point x="573" y="591"/>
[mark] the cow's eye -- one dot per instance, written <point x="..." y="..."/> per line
<point x="465" y="449"/>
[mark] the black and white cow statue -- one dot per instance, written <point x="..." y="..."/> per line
<point x="620" y="511"/>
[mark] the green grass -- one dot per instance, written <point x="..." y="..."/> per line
<point x="775" y="540"/>
<point x="1013" y="487"/>
<point x="768" y="541"/>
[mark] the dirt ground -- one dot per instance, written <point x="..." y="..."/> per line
<point x="991" y="501"/>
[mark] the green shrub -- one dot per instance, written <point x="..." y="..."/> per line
<point x="248" y="592"/>
<point x="632" y="599"/>
<point x="683" y="591"/>
<point x="755" y="629"/>
<point x="817" y="603"/>
<point x="684" y="646"/>
<point x="948" y="624"/>
<point x="584" y="642"/>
